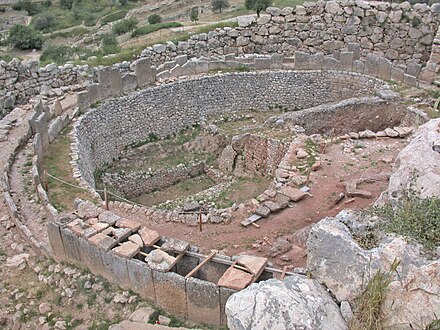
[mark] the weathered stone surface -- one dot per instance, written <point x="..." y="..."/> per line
<point x="142" y="315"/>
<point x="160" y="260"/>
<point x="263" y="211"/>
<point x="295" y="303"/>
<point x="149" y="236"/>
<point x="235" y="279"/>
<point x="102" y="241"/>
<point x="108" y="217"/>
<point x="175" y="245"/>
<point x="87" y="209"/>
<point x="127" y="250"/>
<point x="136" y="239"/>
<point x="254" y="264"/>
<point x="293" y="193"/>
<point x="127" y="223"/>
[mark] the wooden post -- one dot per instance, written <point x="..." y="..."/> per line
<point x="200" y="220"/>
<point x="106" y="198"/>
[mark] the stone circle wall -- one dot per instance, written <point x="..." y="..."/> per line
<point x="103" y="132"/>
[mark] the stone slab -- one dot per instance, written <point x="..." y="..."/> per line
<point x="235" y="279"/>
<point x="203" y="299"/>
<point x="149" y="236"/>
<point x="115" y="269"/>
<point x="56" y="242"/>
<point x="91" y="257"/>
<point x="254" y="264"/>
<point x="102" y="241"/>
<point x="127" y="250"/>
<point x="108" y="217"/>
<point x="141" y="279"/>
<point x="127" y="223"/>
<point x="293" y="193"/>
<point x="70" y="243"/>
<point x="160" y="260"/>
<point x="170" y="289"/>
<point x="175" y="245"/>
<point x="225" y="293"/>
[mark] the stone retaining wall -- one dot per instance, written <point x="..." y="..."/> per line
<point x="103" y="132"/>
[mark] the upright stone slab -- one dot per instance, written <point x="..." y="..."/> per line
<point x="115" y="269"/>
<point x="170" y="291"/>
<point x="316" y="61"/>
<point x="91" y="257"/>
<point x="94" y="93"/>
<point x="413" y="69"/>
<point x="203" y="301"/>
<point x="110" y="82"/>
<point x="384" y="71"/>
<point x="372" y="65"/>
<point x="346" y="59"/>
<point x="225" y="293"/>
<point x="56" y="242"/>
<point x="301" y="61"/>
<point x="358" y="66"/>
<point x="145" y="73"/>
<point x="355" y="48"/>
<point x="83" y="101"/>
<point x="71" y="246"/>
<point x="141" y="279"/>
<point x="397" y="74"/>
<point x="129" y="82"/>
<point x="331" y="63"/>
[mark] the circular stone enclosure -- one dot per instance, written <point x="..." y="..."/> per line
<point x="104" y="132"/>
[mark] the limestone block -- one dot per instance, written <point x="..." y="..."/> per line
<point x="203" y="299"/>
<point x="397" y="74"/>
<point x="94" y="93"/>
<point x="149" y="236"/>
<point x="141" y="279"/>
<point x="372" y="65"/>
<point x="346" y="59"/>
<point x="225" y="293"/>
<point x="358" y="66"/>
<point x="235" y="279"/>
<point x="83" y="101"/>
<point x="56" y="242"/>
<point x="129" y="82"/>
<point x="413" y="69"/>
<point x="355" y="48"/>
<point x="145" y="73"/>
<point x="115" y="269"/>
<point x="330" y="63"/>
<point x="110" y="82"/>
<point x="71" y="246"/>
<point x="91" y="257"/>
<point x="170" y="289"/>
<point x="301" y="61"/>
<point x="127" y="250"/>
<point x="384" y="71"/>
<point x="410" y="80"/>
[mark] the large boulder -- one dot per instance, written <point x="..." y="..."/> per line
<point x="295" y="303"/>
<point x="417" y="165"/>
<point x="338" y="261"/>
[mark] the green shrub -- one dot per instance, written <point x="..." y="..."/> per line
<point x="62" y="54"/>
<point x="114" y="17"/>
<point x="26" y="5"/>
<point x="154" y="19"/>
<point x="25" y="37"/>
<point x="108" y="39"/>
<point x="44" y="22"/>
<point x="154" y="27"/>
<point x="125" y="26"/>
<point x="413" y="217"/>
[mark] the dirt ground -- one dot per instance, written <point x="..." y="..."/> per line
<point x="341" y="162"/>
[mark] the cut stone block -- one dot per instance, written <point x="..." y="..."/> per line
<point x="351" y="190"/>
<point x="254" y="264"/>
<point x="118" y="234"/>
<point x="149" y="236"/>
<point x="235" y="279"/>
<point x="160" y="260"/>
<point x="100" y="226"/>
<point x="391" y="133"/>
<point x="273" y="207"/>
<point x="127" y="250"/>
<point x="263" y="211"/>
<point x="282" y="200"/>
<point x="293" y="193"/>
<point x="102" y="241"/>
<point x="127" y="223"/>
<point x="403" y="131"/>
<point x="136" y="239"/>
<point x="108" y="217"/>
<point x="175" y="245"/>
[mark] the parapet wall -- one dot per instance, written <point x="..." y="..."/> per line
<point x="103" y="132"/>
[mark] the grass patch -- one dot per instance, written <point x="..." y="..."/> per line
<point x="114" y="17"/>
<point x="367" y="314"/>
<point x="76" y="32"/>
<point x="243" y="189"/>
<point x="57" y="164"/>
<point x="153" y="28"/>
<point x="414" y="217"/>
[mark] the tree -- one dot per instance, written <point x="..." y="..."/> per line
<point x="67" y="4"/>
<point x="124" y="26"/>
<point x="194" y="14"/>
<point x="219" y="4"/>
<point x="44" y="22"/>
<point x="154" y="19"/>
<point x="257" y="5"/>
<point x="26" y="5"/>
<point x="25" y="37"/>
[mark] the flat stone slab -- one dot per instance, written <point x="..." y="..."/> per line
<point x="235" y="279"/>
<point x="100" y="226"/>
<point x="391" y="133"/>
<point x="102" y="241"/>
<point x="118" y="234"/>
<point x="127" y="250"/>
<point x="274" y="207"/>
<point x="294" y="194"/>
<point x="254" y="264"/>
<point x="127" y="223"/>
<point x="351" y="190"/>
<point x="87" y="209"/>
<point x="136" y="239"/>
<point x="149" y="236"/>
<point x="251" y="219"/>
<point x="160" y="260"/>
<point x="108" y="217"/>
<point x="175" y="245"/>
<point x="282" y="200"/>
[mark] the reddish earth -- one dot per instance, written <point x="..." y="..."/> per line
<point x="341" y="162"/>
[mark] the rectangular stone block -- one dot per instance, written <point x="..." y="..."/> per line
<point x="71" y="246"/>
<point x="110" y="82"/>
<point x="225" y="293"/>
<point x="145" y="73"/>
<point x="384" y="71"/>
<point x="346" y="59"/>
<point x="355" y="48"/>
<point x="94" y="93"/>
<point x="129" y="82"/>
<point x="413" y="69"/>
<point x="316" y="61"/>
<point x="330" y="63"/>
<point x="358" y="66"/>
<point x="91" y="257"/>
<point x="83" y="101"/>
<point x="203" y="301"/>
<point x="115" y="269"/>
<point x="141" y="279"/>
<point x="397" y="74"/>
<point x="170" y="289"/>
<point x="301" y="61"/>
<point x="372" y="65"/>
<point x="410" y="80"/>
<point x="56" y="242"/>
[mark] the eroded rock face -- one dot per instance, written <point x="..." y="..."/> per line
<point x="295" y="303"/>
<point x="418" y="164"/>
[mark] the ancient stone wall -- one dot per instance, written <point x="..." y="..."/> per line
<point x="400" y="32"/>
<point x="103" y="132"/>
